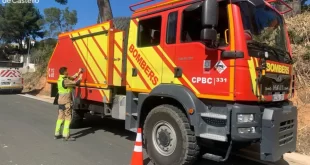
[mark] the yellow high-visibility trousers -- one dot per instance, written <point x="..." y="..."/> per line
<point x="64" y="116"/>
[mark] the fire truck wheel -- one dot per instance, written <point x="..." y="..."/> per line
<point x="77" y="119"/>
<point x="168" y="137"/>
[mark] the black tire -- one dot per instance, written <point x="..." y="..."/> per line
<point x="77" y="119"/>
<point x="186" y="149"/>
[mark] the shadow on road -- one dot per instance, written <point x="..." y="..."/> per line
<point x="9" y="92"/>
<point x="147" y="161"/>
<point x="92" y="124"/>
<point x="34" y="91"/>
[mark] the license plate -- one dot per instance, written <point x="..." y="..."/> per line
<point x="5" y="83"/>
<point x="277" y="97"/>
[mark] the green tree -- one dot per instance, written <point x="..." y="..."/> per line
<point x="58" y="20"/>
<point x="63" y="2"/>
<point x="304" y="6"/>
<point x="70" y="19"/>
<point x="19" y="21"/>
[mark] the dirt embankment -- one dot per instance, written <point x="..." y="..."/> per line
<point x="303" y="133"/>
<point x="299" y="31"/>
<point x="36" y="84"/>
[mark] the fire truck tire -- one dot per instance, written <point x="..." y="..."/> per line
<point x="168" y="137"/>
<point x="77" y="119"/>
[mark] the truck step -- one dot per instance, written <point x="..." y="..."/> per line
<point x="216" y="158"/>
<point x="214" y="137"/>
<point x="214" y="115"/>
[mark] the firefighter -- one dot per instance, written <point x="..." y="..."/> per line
<point x="65" y="86"/>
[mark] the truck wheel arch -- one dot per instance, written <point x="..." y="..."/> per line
<point x="178" y="94"/>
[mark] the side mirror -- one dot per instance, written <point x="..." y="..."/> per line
<point x="208" y="35"/>
<point x="209" y="19"/>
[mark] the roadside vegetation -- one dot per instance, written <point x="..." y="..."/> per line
<point x="24" y="22"/>
<point x="299" y="31"/>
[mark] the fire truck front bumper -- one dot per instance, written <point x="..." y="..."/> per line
<point x="274" y="127"/>
<point x="279" y="132"/>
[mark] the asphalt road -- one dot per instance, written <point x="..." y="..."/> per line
<point x="26" y="138"/>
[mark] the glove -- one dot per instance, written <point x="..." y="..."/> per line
<point x="81" y="70"/>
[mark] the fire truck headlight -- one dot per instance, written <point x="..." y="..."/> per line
<point x="245" y="118"/>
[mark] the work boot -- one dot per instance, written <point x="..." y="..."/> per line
<point x="69" y="139"/>
<point x="56" y="137"/>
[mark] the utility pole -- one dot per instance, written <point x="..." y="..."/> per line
<point x="28" y="56"/>
<point x="28" y="51"/>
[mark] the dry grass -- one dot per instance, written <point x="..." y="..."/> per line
<point x="35" y="84"/>
<point x="303" y="140"/>
<point x="299" y="31"/>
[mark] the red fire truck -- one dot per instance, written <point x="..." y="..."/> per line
<point x="188" y="72"/>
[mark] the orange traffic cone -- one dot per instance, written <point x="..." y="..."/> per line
<point x="137" y="156"/>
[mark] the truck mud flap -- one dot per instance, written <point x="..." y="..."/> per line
<point x="279" y="133"/>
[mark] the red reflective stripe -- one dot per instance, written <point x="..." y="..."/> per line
<point x="2" y="71"/>
<point x="4" y="75"/>
<point x="10" y="73"/>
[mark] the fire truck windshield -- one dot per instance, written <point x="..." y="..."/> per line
<point x="265" y="26"/>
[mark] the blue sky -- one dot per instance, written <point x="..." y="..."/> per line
<point x="87" y="10"/>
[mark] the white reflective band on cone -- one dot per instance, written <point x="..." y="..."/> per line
<point x="138" y="149"/>
<point x="139" y="138"/>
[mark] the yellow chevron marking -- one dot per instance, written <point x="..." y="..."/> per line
<point x="253" y="75"/>
<point x="107" y="94"/>
<point x="118" y="54"/>
<point x="143" y="58"/>
<point x="91" y="56"/>
<point x="76" y="45"/>
<point x="177" y="81"/>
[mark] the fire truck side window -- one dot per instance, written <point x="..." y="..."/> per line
<point x="191" y="24"/>
<point x="149" y="32"/>
<point x="172" y="28"/>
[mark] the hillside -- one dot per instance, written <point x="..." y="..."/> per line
<point x="299" y="31"/>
